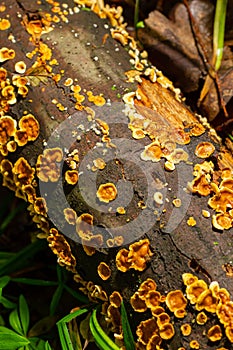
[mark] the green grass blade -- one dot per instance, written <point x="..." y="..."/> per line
<point x="77" y="295"/>
<point x="4" y="256"/>
<point x="219" y="29"/>
<point x="34" y="282"/>
<point x="64" y="336"/>
<point x="73" y="315"/>
<point x="20" y="259"/>
<point x="127" y="333"/>
<point x="63" y="330"/>
<point x="56" y="299"/>
<point x="24" y="314"/>
<point x="102" y="340"/>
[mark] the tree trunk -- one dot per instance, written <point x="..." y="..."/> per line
<point x="84" y="50"/>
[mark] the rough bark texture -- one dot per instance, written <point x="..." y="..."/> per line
<point x="177" y="247"/>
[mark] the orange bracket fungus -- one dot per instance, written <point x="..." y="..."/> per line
<point x="70" y="216"/>
<point x="134" y="258"/>
<point x="47" y="167"/>
<point x="84" y="225"/>
<point x="186" y="329"/>
<point x="214" y="333"/>
<point x="61" y="248"/>
<point x="71" y="177"/>
<point x="175" y="300"/>
<point x="104" y="271"/>
<point x="6" y="54"/>
<point x="204" y="149"/>
<point x="107" y="192"/>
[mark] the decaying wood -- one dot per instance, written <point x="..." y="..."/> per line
<point x="85" y="50"/>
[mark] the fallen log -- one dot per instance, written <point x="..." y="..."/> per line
<point x="122" y="179"/>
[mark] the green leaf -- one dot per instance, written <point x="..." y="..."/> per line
<point x="4" y="281"/>
<point x="7" y="303"/>
<point x="9" y="340"/>
<point x="24" y="314"/>
<point x="37" y="75"/>
<point x="47" y="346"/>
<point x="102" y="340"/>
<point x="140" y="24"/>
<point x="39" y="344"/>
<point x="74" y="335"/>
<point x="15" y="322"/>
<point x="44" y="325"/>
<point x="127" y="333"/>
<point x="4" y="256"/>
<point x="56" y="299"/>
<point x="34" y="282"/>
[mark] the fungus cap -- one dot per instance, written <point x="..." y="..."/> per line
<point x="104" y="271"/>
<point x="162" y="318"/>
<point x="70" y="216"/>
<point x="107" y="192"/>
<point x="204" y="149"/>
<point x="157" y="311"/>
<point x="137" y="303"/>
<point x="189" y="278"/>
<point x="152" y="152"/>
<point x="146" y="329"/>
<point x="201" y="318"/>
<point x="225" y="313"/>
<point x="229" y="332"/>
<point x="146" y="286"/>
<point x="40" y="206"/>
<point x="214" y="333"/>
<point x="166" y="331"/>
<point x="6" y="54"/>
<point x="30" y="125"/>
<point x="191" y="221"/>
<point x="84" y="225"/>
<point x="20" y="67"/>
<point x="71" y="177"/>
<point x="175" y="300"/>
<point x="180" y="313"/>
<point x="177" y="156"/>
<point x="99" y="163"/>
<point x="7" y="128"/>
<point x="186" y="329"/>
<point x="201" y="185"/>
<point x="222" y="221"/>
<point x="153" y="299"/>
<point x="158" y="198"/>
<point x="154" y="342"/>
<point x="206" y="300"/>
<point x="195" y="289"/>
<point x="115" y="299"/>
<point x="194" y="344"/>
